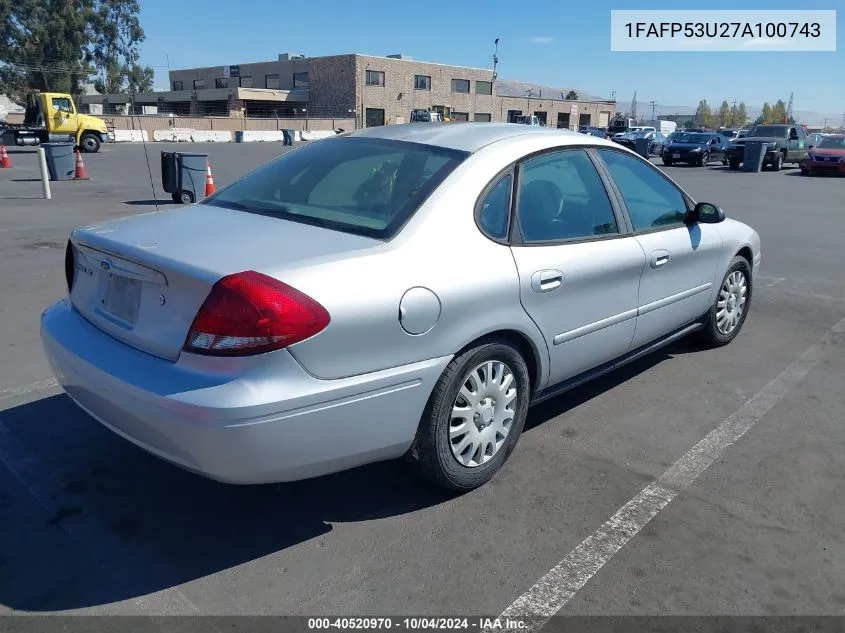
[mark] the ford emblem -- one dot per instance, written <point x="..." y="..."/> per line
<point x="104" y="265"/>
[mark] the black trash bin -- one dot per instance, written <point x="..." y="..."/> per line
<point x="61" y="161"/>
<point x="755" y="153"/>
<point x="183" y="175"/>
<point x="642" y="147"/>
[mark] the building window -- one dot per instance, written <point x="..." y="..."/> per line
<point x="246" y="81"/>
<point x="483" y="87"/>
<point x="460" y="116"/>
<point x="300" y="80"/>
<point x="584" y="119"/>
<point x="271" y="81"/>
<point x="563" y="120"/>
<point x="482" y="117"/>
<point x="199" y="84"/>
<point x="375" y="78"/>
<point x="422" y="82"/>
<point x="177" y="84"/>
<point x="221" y="82"/>
<point x="541" y="117"/>
<point x="460" y="85"/>
<point x="512" y="114"/>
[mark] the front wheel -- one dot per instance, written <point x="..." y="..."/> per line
<point x="473" y="418"/>
<point x="726" y="316"/>
<point x="89" y="143"/>
<point x="777" y="164"/>
<point x="705" y="158"/>
<point x="734" y="163"/>
<point x="186" y="197"/>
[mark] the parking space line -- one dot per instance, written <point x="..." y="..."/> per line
<point x="549" y="594"/>
<point x="40" y="385"/>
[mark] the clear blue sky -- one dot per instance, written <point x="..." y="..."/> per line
<point x="550" y="42"/>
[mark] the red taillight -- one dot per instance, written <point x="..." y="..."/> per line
<point x="250" y="313"/>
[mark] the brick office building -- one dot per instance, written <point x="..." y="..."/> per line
<point x="369" y="89"/>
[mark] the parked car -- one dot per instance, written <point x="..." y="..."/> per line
<point x="697" y="148"/>
<point x="295" y="322"/>
<point x="593" y="131"/>
<point x="784" y="144"/>
<point x="657" y="141"/>
<point x="827" y="157"/>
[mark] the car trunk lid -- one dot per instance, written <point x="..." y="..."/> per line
<point x="142" y="279"/>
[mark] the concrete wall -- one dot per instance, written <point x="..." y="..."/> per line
<point x="231" y="124"/>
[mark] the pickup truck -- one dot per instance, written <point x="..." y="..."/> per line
<point x="784" y="144"/>
<point x="52" y="117"/>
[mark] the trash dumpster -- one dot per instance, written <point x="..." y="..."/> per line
<point x="752" y="160"/>
<point x="61" y="161"/>
<point x="183" y="175"/>
<point x="642" y="146"/>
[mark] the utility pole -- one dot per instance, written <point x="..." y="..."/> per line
<point x="495" y="57"/>
<point x="652" y="103"/>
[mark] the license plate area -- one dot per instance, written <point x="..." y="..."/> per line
<point x="676" y="155"/>
<point x="122" y="298"/>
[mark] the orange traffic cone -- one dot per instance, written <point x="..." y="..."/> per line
<point x="5" y="163"/>
<point x="209" y="181"/>
<point x="81" y="172"/>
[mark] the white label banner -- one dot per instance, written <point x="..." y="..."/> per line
<point x="706" y="30"/>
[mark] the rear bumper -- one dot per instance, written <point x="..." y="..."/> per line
<point x="234" y="420"/>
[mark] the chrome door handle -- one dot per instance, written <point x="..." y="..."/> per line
<point x="546" y="280"/>
<point x="659" y="258"/>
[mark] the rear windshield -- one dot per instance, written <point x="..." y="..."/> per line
<point x="364" y="186"/>
<point x="769" y="130"/>
<point x="833" y="142"/>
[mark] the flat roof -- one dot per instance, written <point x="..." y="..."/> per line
<point x="466" y="137"/>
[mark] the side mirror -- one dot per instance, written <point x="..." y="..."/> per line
<point x="810" y="146"/>
<point x="705" y="213"/>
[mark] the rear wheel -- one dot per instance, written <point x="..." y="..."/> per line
<point x="667" y="161"/>
<point x="474" y="417"/>
<point x="734" y="163"/>
<point x="89" y="143"/>
<point x="777" y="163"/>
<point x="726" y="316"/>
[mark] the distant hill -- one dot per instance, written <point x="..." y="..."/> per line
<point x="508" y="88"/>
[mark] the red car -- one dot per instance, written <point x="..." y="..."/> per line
<point x="828" y="157"/>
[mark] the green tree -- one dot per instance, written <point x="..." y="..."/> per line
<point x="571" y="95"/>
<point x="724" y="114"/>
<point x="113" y="50"/>
<point x="58" y="44"/>
<point x="741" y="115"/>
<point x="778" y="114"/>
<point x="42" y="45"/>
<point x="765" y="114"/>
<point x="703" y="114"/>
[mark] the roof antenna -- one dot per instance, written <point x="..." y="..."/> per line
<point x="144" y="143"/>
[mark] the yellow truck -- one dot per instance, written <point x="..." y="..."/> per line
<point x="52" y="117"/>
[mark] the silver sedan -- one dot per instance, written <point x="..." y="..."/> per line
<point x="399" y="291"/>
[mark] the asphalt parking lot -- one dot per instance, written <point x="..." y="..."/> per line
<point x="91" y="524"/>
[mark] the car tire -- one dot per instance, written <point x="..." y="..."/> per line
<point x="778" y="162"/>
<point x="89" y="144"/>
<point x="186" y="197"/>
<point x="725" y="161"/>
<point x="734" y="164"/>
<point x="435" y="451"/>
<point x="667" y="162"/>
<point x="715" y="333"/>
<point x="705" y="158"/>
<point x="805" y="171"/>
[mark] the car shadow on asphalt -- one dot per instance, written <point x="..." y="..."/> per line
<point x="151" y="203"/>
<point x="127" y="524"/>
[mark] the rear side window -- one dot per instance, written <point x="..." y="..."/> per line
<point x="494" y="210"/>
<point x="653" y="202"/>
<point x="364" y="186"/>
